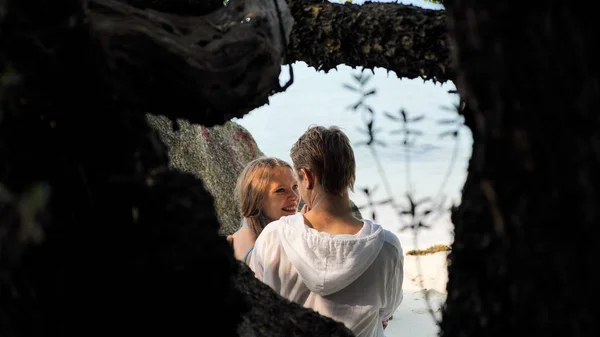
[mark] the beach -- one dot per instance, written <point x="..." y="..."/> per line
<point x="422" y="274"/>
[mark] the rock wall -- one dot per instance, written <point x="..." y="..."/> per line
<point x="215" y="154"/>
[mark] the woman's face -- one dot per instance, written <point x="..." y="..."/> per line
<point x="282" y="196"/>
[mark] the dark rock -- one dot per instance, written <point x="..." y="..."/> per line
<point x="285" y="318"/>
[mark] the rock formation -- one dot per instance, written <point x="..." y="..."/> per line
<point x="98" y="234"/>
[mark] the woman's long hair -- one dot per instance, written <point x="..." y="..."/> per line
<point x="251" y="189"/>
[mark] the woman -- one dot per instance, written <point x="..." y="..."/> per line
<point x="266" y="190"/>
<point x="348" y="269"/>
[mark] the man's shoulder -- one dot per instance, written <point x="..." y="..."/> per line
<point x="391" y="240"/>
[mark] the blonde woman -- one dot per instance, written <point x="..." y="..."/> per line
<point x="266" y="190"/>
<point x="348" y="269"/>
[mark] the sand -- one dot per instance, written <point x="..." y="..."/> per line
<point x="422" y="274"/>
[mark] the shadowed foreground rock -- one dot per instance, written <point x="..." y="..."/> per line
<point x="285" y="318"/>
<point x="98" y="236"/>
<point x="525" y="236"/>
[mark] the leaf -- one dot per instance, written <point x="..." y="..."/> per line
<point x="372" y="92"/>
<point x="349" y="87"/>
<point x="422" y="225"/>
<point x="384" y="202"/>
<point x="381" y="143"/>
<point x="370" y="110"/>
<point x="354" y="106"/>
<point x="418" y="118"/>
<point x="453" y="133"/>
<point x="447" y="108"/>
<point x="358" y="77"/>
<point x="414" y="132"/>
<point x="390" y="116"/>
<point x="365" y="79"/>
<point x="405" y="227"/>
<point x="410" y="200"/>
<point x="447" y="121"/>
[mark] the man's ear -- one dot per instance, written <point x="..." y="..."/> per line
<point x="307" y="178"/>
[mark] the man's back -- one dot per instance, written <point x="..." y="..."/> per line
<point x="355" y="279"/>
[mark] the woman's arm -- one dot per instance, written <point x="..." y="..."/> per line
<point x="242" y="241"/>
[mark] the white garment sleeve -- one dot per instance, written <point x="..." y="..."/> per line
<point x="394" y="290"/>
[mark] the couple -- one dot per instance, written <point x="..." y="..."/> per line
<point x="323" y="257"/>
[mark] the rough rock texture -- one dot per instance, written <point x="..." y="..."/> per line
<point x="409" y="40"/>
<point x="526" y="232"/>
<point x="216" y="154"/>
<point x="220" y="64"/>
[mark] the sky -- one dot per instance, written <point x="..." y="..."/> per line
<point x="320" y="98"/>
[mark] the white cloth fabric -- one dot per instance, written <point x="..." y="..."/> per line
<point x="355" y="279"/>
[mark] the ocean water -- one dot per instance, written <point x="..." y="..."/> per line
<point x="422" y="170"/>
